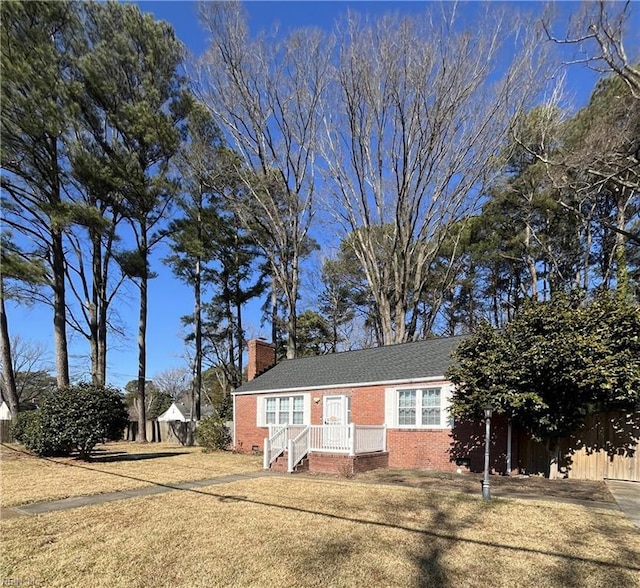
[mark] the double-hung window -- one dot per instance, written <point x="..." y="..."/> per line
<point x="284" y="410"/>
<point x="418" y="407"/>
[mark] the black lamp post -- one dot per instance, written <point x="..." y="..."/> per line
<point x="488" y="411"/>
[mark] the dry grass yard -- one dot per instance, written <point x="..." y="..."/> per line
<point x="293" y="532"/>
<point x="386" y="528"/>
<point x="115" y="466"/>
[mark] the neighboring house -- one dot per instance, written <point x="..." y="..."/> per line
<point x="6" y="433"/>
<point x="181" y="411"/>
<point x="5" y="412"/>
<point x="355" y="410"/>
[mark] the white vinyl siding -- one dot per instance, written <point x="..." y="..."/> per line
<point x="420" y="407"/>
<point x="283" y="410"/>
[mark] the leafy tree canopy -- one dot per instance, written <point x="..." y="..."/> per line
<point x="553" y="364"/>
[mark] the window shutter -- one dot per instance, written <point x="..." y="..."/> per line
<point x="447" y="417"/>
<point x="391" y="407"/>
<point x="307" y="409"/>
<point x="260" y="410"/>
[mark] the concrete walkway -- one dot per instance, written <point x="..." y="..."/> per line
<point x="36" y="508"/>
<point x="627" y="496"/>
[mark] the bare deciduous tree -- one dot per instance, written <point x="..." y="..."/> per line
<point x="265" y="93"/>
<point x="416" y="118"/>
<point x="598" y="32"/>
<point x="176" y="381"/>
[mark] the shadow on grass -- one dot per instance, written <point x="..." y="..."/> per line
<point x="435" y="542"/>
<point x="116" y="457"/>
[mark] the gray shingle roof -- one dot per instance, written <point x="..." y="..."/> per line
<point x="184" y="406"/>
<point x="406" y="361"/>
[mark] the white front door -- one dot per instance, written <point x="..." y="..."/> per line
<point x="335" y="418"/>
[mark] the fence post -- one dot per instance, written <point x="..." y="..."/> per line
<point x="267" y="452"/>
<point x="352" y="439"/>
<point x="290" y="456"/>
<point x="384" y="437"/>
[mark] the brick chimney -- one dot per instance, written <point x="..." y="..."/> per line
<point x="262" y="356"/>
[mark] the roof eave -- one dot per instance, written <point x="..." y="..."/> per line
<point x="429" y="379"/>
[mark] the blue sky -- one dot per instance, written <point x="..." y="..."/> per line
<point x="168" y="298"/>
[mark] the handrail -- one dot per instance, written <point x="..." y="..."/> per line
<point x="298" y="440"/>
<point x="298" y="448"/>
<point x="274" y="445"/>
<point x="278" y="442"/>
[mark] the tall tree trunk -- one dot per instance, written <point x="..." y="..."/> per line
<point x="59" y="310"/>
<point x="274" y="312"/>
<point x="239" y="341"/>
<point x="622" y="274"/>
<point x="197" y="320"/>
<point x="58" y="271"/>
<point x="142" y="342"/>
<point x="292" y="318"/>
<point x="104" y="302"/>
<point x="96" y="269"/>
<point x="531" y="264"/>
<point x="8" y="376"/>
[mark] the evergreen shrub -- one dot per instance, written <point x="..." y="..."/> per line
<point x="212" y="434"/>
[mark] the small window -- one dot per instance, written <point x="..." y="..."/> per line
<point x="431" y="407"/>
<point x="298" y="410"/>
<point x="407" y="407"/>
<point x="421" y="407"/>
<point x="270" y="416"/>
<point x="283" y="412"/>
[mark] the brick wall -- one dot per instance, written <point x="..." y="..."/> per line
<point x="336" y="463"/>
<point x="247" y="433"/>
<point x="468" y="442"/>
<point x="367" y="404"/>
<point x="419" y="448"/>
<point x="261" y="356"/>
<point x="407" y="448"/>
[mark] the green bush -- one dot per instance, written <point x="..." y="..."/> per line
<point x="74" y="418"/>
<point x="29" y="431"/>
<point x="212" y="434"/>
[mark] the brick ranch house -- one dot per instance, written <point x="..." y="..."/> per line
<point x="358" y="410"/>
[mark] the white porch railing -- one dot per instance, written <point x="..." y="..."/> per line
<point x="278" y="441"/>
<point x="368" y="438"/>
<point x="298" y="440"/>
<point x="298" y="448"/>
<point x="351" y="439"/>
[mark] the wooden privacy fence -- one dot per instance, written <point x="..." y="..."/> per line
<point x="5" y="432"/>
<point x="170" y="432"/>
<point x="608" y="446"/>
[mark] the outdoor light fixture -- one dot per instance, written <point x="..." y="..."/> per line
<point x="488" y="411"/>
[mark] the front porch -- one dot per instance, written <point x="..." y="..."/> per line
<point x="326" y="448"/>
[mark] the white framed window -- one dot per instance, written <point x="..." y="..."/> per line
<point x="283" y="410"/>
<point x="423" y="407"/>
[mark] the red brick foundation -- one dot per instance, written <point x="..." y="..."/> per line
<point x="347" y="465"/>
